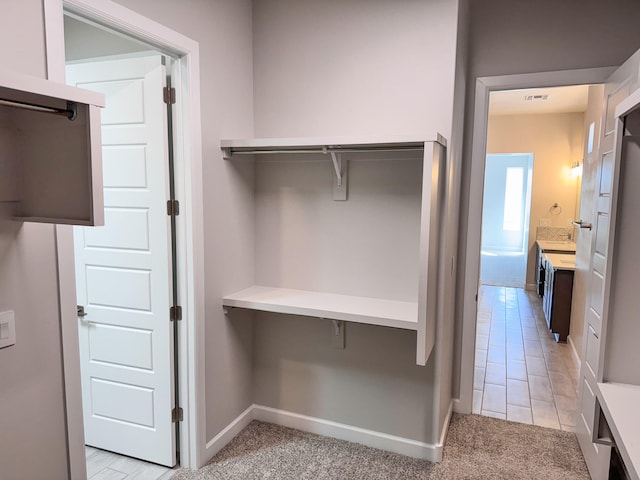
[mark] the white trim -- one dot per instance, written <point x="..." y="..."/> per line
<point x="227" y="434"/>
<point x="70" y="351"/>
<point x="341" y="431"/>
<point x="531" y="287"/>
<point x="484" y="86"/>
<point x="188" y="161"/>
<point x="445" y="429"/>
<point x="574" y="353"/>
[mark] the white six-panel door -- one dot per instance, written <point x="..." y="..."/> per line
<point x="123" y="270"/>
<point x="596" y="456"/>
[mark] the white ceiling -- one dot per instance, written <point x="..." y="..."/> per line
<point x="559" y="100"/>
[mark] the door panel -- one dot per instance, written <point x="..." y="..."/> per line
<point x="123" y="269"/>
<point x="594" y="341"/>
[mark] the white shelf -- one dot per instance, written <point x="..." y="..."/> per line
<point x="372" y="311"/>
<point x="619" y="403"/>
<point x="50" y="151"/>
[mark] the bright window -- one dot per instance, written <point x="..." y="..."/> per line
<point x="513" y="199"/>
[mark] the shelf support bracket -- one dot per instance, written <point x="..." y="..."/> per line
<point x="337" y="166"/>
<point x="340" y="181"/>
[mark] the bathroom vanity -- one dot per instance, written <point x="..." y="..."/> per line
<point x="558" y="292"/>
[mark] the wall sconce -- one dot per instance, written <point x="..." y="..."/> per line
<point x="576" y="169"/>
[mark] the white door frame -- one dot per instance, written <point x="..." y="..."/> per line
<point x="484" y="86"/>
<point x="190" y="237"/>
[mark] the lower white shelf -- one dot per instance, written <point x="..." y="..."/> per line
<point x="373" y="311"/>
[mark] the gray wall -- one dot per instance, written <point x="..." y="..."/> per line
<point x="223" y="30"/>
<point x="509" y="37"/>
<point x="83" y="40"/>
<point x="32" y="422"/>
<point x="356" y="67"/>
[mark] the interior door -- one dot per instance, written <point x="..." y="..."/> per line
<point x="123" y="270"/>
<point x="616" y="89"/>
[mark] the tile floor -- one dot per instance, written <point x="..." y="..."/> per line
<point x="521" y="373"/>
<point x="103" y="465"/>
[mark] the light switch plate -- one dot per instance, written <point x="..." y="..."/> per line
<point x="7" y="329"/>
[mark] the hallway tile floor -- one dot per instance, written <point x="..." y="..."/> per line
<point x="521" y="373"/>
<point x="103" y="465"/>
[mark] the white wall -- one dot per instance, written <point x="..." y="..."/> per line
<point x="556" y="142"/>
<point x="509" y="37"/>
<point x="223" y="30"/>
<point x="343" y="68"/>
<point x="338" y="67"/>
<point x="32" y="422"/>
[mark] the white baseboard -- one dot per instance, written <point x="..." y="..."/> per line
<point x="576" y="357"/>
<point x="218" y="442"/>
<point x="443" y="435"/>
<point x="341" y="431"/>
<point x="532" y="287"/>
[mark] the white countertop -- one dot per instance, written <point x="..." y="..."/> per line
<point x="619" y="403"/>
<point x="557" y="245"/>
<point x="561" y="261"/>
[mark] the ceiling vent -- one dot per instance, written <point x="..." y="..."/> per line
<point x="536" y="98"/>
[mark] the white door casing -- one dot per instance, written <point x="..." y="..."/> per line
<point x="123" y="270"/>
<point x="616" y="89"/>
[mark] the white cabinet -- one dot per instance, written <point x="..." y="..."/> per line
<point x="347" y="229"/>
<point x="50" y="151"/>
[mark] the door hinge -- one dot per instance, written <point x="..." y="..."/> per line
<point x="176" y="414"/>
<point x="175" y="313"/>
<point x="169" y="95"/>
<point x="173" y="208"/>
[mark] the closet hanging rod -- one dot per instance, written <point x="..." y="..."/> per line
<point x="70" y="112"/>
<point x="235" y="151"/>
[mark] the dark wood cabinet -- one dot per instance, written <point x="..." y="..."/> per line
<point x="558" y="291"/>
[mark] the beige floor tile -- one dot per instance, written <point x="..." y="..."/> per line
<point x="546" y="376"/>
<point x="99" y="461"/>
<point x="561" y="384"/>
<point x="530" y="333"/>
<point x="481" y="358"/>
<point x="482" y="341"/>
<point x="518" y="393"/>
<point x="515" y="352"/>
<point x="109" y="474"/>
<point x="489" y="413"/>
<point x="555" y="362"/>
<point x="566" y="408"/>
<point x="477" y="402"/>
<point x="516" y="369"/>
<point x="478" y="378"/>
<point x="497" y="338"/>
<point x="536" y="366"/>
<point x="544" y="414"/>
<point x="494" y="398"/>
<point x="540" y="388"/>
<point x="519" y="414"/>
<point x="533" y="348"/>
<point x="528" y="321"/>
<point x="496" y="354"/>
<point x="496" y="374"/>
<point x="483" y="329"/>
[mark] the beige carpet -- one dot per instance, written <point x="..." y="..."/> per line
<point x="476" y="448"/>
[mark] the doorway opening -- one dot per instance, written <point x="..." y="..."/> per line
<point x="506" y="210"/>
<point x="186" y="126"/>
<point x="125" y="270"/>
<point x="521" y="373"/>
